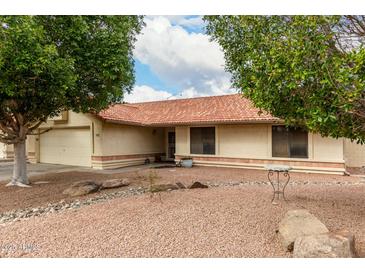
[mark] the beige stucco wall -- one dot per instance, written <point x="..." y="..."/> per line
<point x="327" y="149"/>
<point x="250" y="146"/>
<point x="182" y="140"/>
<point x="32" y="146"/>
<point x="254" y="141"/>
<point x="7" y="151"/>
<point x="73" y="120"/>
<point x="2" y="150"/>
<point x="245" y="141"/>
<point x="127" y="140"/>
<point x="354" y="154"/>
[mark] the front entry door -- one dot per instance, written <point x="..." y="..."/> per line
<point x="171" y="145"/>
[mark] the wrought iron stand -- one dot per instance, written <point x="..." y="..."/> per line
<point x="278" y="187"/>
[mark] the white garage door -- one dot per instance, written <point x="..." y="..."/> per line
<point x="66" y="147"/>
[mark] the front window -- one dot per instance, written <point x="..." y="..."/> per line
<point x="202" y="140"/>
<point x="289" y="142"/>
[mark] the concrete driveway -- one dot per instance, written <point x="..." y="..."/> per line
<point x="6" y="169"/>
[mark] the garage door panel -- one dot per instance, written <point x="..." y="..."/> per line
<point x="66" y="146"/>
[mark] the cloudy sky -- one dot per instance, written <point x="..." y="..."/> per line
<point x="175" y="59"/>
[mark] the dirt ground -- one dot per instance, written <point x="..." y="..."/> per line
<point x="356" y="171"/>
<point x="42" y="194"/>
<point x="225" y="221"/>
<point x="230" y="221"/>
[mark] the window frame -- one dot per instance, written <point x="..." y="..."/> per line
<point x="215" y="140"/>
<point x="288" y="144"/>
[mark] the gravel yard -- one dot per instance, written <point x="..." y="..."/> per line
<point x="51" y="192"/>
<point x="233" y="219"/>
<point x="226" y="221"/>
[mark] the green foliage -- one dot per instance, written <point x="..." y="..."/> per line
<point x="34" y="78"/>
<point x="52" y="63"/>
<point x="101" y="47"/>
<point x="293" y="67"/>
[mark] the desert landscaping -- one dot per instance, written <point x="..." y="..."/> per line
<point x="196" y="136"/>
<point x="231" y="218"/>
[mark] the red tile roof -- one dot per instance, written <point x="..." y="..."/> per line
<point x="225" y="109"/>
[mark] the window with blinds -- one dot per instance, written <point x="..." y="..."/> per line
<point x="202" y="140"/>
<point x="289" y="142"/>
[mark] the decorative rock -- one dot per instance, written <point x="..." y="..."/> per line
<point x="82" y="188"/>
<point x="40" y="182"/>
<point x="198" y="185"/>
<point x="114" y="183"/>
<point x="298" y="223"/>
<point x="180" y="185"/>
<point x="339" y="244"/>
<point x="163" y="187"/>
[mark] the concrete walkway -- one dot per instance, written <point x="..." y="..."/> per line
<point x="132" y="168"/>
<point x="6" y="169"/>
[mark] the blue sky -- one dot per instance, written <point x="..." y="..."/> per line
<point x="144" y="76"/>
<point x="174" y="58"/>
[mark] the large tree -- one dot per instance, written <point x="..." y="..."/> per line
<point x="49" y="64"/>
<point x="307" y="70"/>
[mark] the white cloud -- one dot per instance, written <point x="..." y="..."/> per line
<point x="188" y="60"/>
<point x="190" y="22"/>
<point x="146" y="94"/>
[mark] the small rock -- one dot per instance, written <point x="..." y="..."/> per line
<point x="339" y="244"/>
<point x="114" y="183"/>
<point x="40" y="182"/>
<point x="180" y="185"/>
<point x="298" y="223"/>
<point x="163" y="187"/>
<point x="197" y="185"/>
<point x="82" y="188"/>
<point x="63" y="205"/>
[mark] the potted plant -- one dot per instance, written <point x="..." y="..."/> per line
<point x="186" y="162"/>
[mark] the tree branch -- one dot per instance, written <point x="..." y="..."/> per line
<point x="35" y="126"/>
<point x="39" y="133"/>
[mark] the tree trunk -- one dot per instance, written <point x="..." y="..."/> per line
<point x="20" y="177"/>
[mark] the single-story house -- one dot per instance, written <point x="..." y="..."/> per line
<point x="225" y="131"/>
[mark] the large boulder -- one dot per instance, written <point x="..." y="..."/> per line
<point x="82" y="188"/>
<point x="298" y="223"/>
<point x="163" y="187"/>
<point x="114" y="183"/>
<point x="327" y="245"/>
<point x="198" y="185"/>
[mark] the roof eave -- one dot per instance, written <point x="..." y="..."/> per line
<point x="215" y="123"/>
<point x="120" y="122"/>
<point x="169" y="124"/>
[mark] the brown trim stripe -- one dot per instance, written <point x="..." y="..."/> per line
<point x="266" y="161"/>
<point x="125" y="157"/>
